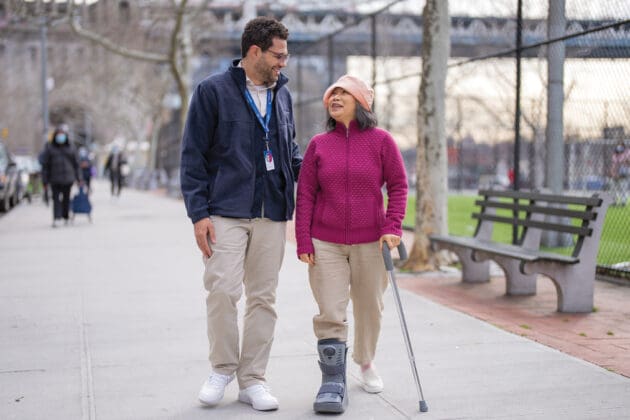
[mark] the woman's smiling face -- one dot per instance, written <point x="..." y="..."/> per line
<point x="342" y="106"/>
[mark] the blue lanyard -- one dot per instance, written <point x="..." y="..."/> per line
<point x="264" y="122"/>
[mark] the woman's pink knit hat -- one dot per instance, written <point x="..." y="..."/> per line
<point x="357" y="88"/>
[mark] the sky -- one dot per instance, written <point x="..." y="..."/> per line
<point x="575" y="9"/>
<point x="596" y="90"/>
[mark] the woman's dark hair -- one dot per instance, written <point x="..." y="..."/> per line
<point x="365" y="119"/>
<point x="261" y="31"/>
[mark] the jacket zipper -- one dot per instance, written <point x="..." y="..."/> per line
<point x="347" y="184"/>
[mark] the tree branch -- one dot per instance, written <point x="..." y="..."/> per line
<point x="173" y="50"/>
<point x="111" y="46"/>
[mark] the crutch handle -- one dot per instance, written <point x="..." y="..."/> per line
<point x="387" y="255"/>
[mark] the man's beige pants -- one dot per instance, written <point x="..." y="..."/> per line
<point x="247" y="252"/>
<point x="341" y="273"/>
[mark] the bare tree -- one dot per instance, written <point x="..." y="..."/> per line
<point x="89" y="87"/>
<point x="431" y="159"/>
<point x="177" y="56"/>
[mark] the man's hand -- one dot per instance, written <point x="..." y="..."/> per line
<point x="307" y="258"/>
<point x="204" y="229"/>
<point x="392" y="241"/>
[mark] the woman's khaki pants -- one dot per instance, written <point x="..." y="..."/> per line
<point x="341" y="273"/>
<point x="247" y="252"/>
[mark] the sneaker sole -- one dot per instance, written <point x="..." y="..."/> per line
<point x="209" y="404"/>
<point x="246" y="400"/>
<point x="371" y="389"/>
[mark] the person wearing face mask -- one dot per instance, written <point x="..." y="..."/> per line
<point x="620" y="174"/>
<point x="341" y="226"/>
<point x="60" y="169"/>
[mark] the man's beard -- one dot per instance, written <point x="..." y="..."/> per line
<point x="266" y="73"/>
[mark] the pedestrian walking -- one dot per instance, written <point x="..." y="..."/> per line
<point x="116" y="166"/>
<point x="239" y="164"/>
<point x="85" y="163"/>
<point x="60" y="169"/>
<point x="620" y="174"/>
<point x="341" y="227"/>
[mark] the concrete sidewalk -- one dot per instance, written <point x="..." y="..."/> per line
<point x="107" y="321"/>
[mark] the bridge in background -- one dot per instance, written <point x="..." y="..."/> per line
<point x="401" y="34"/>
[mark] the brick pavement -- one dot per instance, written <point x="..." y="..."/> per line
<point x="601" y="337"/>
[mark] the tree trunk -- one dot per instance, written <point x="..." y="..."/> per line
<point x="431" y="160"/>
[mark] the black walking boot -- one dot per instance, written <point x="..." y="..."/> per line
<point x="332" y="396"/>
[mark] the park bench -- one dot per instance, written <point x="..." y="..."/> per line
<point x="576" y="218"/>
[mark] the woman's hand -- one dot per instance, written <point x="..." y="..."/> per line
<point x="307" y="258"/>
<point x="392" y="241"/>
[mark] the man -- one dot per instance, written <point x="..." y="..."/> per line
<point x="116" y="164"/>
<point x="239" y="164"/>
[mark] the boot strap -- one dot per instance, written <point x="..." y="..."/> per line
<point x="331" y="388"/>
<point x="332" y="369"/>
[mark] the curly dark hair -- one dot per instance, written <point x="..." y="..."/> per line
<point x="261" y="31"/>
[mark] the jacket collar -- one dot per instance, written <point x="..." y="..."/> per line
<point x="352" y="128"/>
<point x="238" y="74"/>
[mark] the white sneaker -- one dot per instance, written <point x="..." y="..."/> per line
<point x="213" y="388"/>
<point x="370" y="381"/>
<point x="259" y="397"/>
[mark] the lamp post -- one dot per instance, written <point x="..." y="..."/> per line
<point x="46" y="83"/>
<point x="44" y="78"/>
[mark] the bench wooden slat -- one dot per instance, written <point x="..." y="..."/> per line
<point x="512" y="251"/>
<point x="550" y="198"/>
<point x="532" y="208"/>
<point x="531" y="214"/>
<point x="558" y="227"/>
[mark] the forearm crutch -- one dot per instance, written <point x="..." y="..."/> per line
<point x="389" y="266"/>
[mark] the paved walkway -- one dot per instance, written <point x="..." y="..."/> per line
<point x="106" y="321"/>
<point x="601" y="337"/>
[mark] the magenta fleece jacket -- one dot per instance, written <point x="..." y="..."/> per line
<point x="339" y="195"/>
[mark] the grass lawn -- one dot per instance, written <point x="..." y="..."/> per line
<point x="614" y="245"/>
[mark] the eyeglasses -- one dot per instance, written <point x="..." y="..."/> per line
<point x="279" y="56"/>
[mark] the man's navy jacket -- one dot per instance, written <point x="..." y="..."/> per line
<point x="221" y="144"/>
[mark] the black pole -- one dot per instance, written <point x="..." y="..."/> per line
<point x="300" y="109"/>
<point x="44" y="78"/>
<point x="373" y="48"/>
<point x="331" y="61"/>
<point x="517" y="109"/>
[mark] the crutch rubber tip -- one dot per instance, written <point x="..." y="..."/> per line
<point x="424" y="407"/>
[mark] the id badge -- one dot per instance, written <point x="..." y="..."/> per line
<point x="269" y="160"/>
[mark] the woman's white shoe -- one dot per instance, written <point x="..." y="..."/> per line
<point x="370" y="381"/>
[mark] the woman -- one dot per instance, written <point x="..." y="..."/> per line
<point x="341" y="226"/>
<point x="60" y="168"/>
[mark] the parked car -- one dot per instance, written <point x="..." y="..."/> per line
<point x="9" y="180"/>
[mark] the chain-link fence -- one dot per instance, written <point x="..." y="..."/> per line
<point x="383" y="47"/>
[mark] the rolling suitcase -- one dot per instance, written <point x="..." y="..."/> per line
<point x="81" y="204"/>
